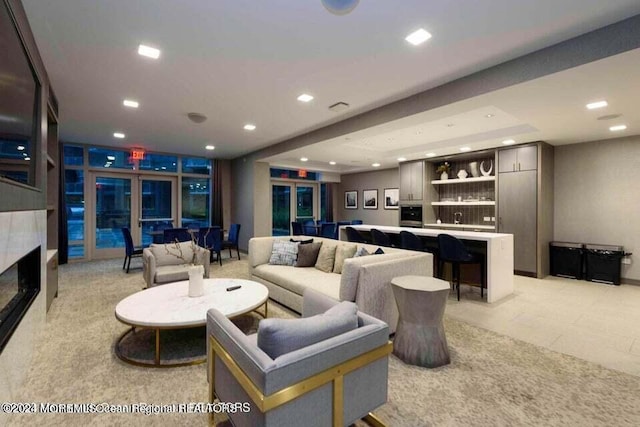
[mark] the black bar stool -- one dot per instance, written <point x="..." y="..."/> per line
<point x="452" y="250"/>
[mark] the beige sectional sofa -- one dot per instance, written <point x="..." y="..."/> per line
<point x="364" y="280"/>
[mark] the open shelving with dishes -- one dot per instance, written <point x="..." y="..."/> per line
<point x="467" y="198"/>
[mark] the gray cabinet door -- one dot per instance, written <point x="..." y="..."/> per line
<point x="517" y="196"/>
<point x="405" y="181"/>
<point x="507" y="160"/>
<point x="527" y="158"/>
<point x="417" y="178"/>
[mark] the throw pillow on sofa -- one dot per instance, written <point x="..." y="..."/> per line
<point x="302" y="242"/>
<point x="283" y="253"/>
<point x="343" y="252"/>
<point x="308" y="254"/>
<point x="280" y="336"/>
<point x="362" y="251"/>
<point x="325" y="258"/>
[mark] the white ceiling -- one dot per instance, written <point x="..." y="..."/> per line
<point x="242" y="61"/>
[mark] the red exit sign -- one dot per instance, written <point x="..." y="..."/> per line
<point x="137" y="154"/>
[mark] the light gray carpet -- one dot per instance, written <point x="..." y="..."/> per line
<point x="492" y="380"/>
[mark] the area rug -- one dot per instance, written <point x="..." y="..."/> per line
<point x="492" y="380"/>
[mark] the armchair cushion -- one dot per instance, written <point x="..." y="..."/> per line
<point x="343" y="252"/>
<point x="308" y="254"/>
<point x="280" y="336"/>
<point x="325" y="258"/>
<point x="283" y="253"/>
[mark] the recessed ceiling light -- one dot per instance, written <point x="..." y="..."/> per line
<point x="508" y="142"/>
<point x="431" y="154"/>
<point x="210" y="147"/>
<point x="305" y="98"/>
<point x="148" y="51"/>
<point x="332" y="163"/>
<point x="27" y="158"/>
<point x="163" y="167"/>
<point x="118" y="135"/>
<point x="20" y="147"/>
<point x="303" y="159"/>
<point x="111" y="158"/>
<point x="130" y="103"/>
<point x="465" y="149"/>
<point x="25" y="154"/>
<point x="617" y="128"/>
<point x="418" y="37"/>
<point x="249" y="126"/>
<point x="488" y="116"/>
<point x="375" y="165"/>
<point x="597" y="104"/>
<point x="402" y="159"/>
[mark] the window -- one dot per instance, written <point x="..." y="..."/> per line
<point x="74" y="200"/>
<point x="159" y="162"/>
<point x="294" y="174"/>
<point x="73" y="156"/>
<point x="196" y="165"/>
<point x="195" y="202"/>
<point x="109" y="158"/>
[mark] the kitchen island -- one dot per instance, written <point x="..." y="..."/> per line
<point x="498" y="248"/>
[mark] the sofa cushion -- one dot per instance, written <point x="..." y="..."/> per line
<point x="171" y="273"/>
<point x="283" y="253"/>
<point x="343" y="252"/>
<point x="378" y="251"/>
<point x="362" y="251"/>
<point x="296" y="279"/>
<point x="308" y="254"/>
<point x="280" y="336"/>
<point x="326" y="258"/>
<point x="302" y="242"/>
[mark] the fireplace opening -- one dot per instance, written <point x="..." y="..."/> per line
<point x="19" y="286"/>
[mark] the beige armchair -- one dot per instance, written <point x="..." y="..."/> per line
<point x="170" y="263"/>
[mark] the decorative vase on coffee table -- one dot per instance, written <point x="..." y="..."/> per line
<point x="196" y="281"/>
<point x="444" y="176"/>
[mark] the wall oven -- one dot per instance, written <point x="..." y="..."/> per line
<point x="411" y="216"/>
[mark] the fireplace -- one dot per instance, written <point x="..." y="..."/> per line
<point x="19" y="287"/>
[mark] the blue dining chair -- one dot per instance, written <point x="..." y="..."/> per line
<point x="211" y="238"/>
<point x="130" y="250"/>
<point x="328" y="230"/>
<point x="172" y="235"/>
<point x="356" y="222"/>
<point x="232" y="241"/>
<point x="309" y="227"/>
<point x="296" y="228"/>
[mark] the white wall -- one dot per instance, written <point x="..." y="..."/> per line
<point x="387" y="178"/>
<point x="597" y="195"/>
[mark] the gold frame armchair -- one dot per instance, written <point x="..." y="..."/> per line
<point x="333" y="382"/>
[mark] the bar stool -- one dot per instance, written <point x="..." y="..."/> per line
<point x="451" y="249"/>
<point x="380" y="238"/>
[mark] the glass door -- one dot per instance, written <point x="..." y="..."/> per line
<point x="157" y="209"/>
<point x="113" y="207"/>
<point x="306" y="206"/>
<point x="292" y="202"/>
<point x="280" y="209"/>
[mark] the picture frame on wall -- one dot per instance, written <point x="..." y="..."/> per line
<point x="369" y="199"/>
<point x="391" y="198"/>
<point x="351" y="200"/>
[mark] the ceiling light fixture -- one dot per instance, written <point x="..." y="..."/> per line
<point x="597" y="104"/>
<point x="418" y="37"/>
<point x="431" y="154"/>
<point x="249" y="126"/>
<point x="148" y="51"/>
<point x="305" y="98"/>
<point x="27" y="158"/>
<point x="210" y="147"/>
<point x="111" y="158"/>
<point x="118" y="135"/>
<point x="332" y="163"/>
<point x="375" y="165"/>
<point x="130" y="103"/>
<point x="508" y="141"/>
<point x="488" y="116"/>
<point x="20" y="147"/>
<point x="617" y="128"/>
<point x="465" y="149"/>
<point x="340" y="7"/>
<point x="303" y="159"/>
<point x="402" y="159"/>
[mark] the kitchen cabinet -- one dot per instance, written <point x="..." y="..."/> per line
<point x="518" y="159"/>
<point x="411" y="181"/>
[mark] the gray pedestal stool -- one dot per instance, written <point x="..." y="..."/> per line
<point x="420" y="338"/>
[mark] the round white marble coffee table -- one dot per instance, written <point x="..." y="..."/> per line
<point x="170" y="307"/>
<point x="420" y="338"/>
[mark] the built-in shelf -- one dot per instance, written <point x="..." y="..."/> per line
<point x="482" y="203"/>
<point x="471" y="226"/>
<point x="459" y="181"/>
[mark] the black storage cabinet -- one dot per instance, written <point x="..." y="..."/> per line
<point x="566" y="259"/>
<point x="603" y="263"/>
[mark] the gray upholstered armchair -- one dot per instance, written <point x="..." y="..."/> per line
<point x="160" y="266"/>
<point x="333" y="382"/>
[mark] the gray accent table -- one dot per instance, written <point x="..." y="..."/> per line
<point x="420" y="338"/>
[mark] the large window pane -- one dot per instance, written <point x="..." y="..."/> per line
<point x="16" y="161"/>
<point x="156" y="204"/>
<point x="195" y="202"/>
<point x="294" y="174"/>
<point x="113" y="211"/>
<point x="196" y="165"/>
<point x="281" y="210"/>
<point x="159" y="163"/>
<point x="304" y="202"/>
<point x="74" y="200"/>
<point x="109" y="158"/>
<point x="73" y="156"/>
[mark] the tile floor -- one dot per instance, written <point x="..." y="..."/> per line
<point x="591" y="321"/>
